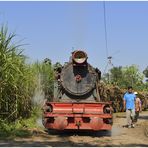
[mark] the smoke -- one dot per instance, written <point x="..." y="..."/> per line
<point x="39" y="122"/>
<point x="38" y="98"/>
<point x="39" y="94"/>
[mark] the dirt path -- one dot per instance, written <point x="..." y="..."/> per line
<point x="119" y="136"/>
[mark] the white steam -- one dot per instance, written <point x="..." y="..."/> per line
<point x="39" y="95"/>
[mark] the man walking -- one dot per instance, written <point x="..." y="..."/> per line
<point x="129" y="105"/>
<point x="137" y="107"/>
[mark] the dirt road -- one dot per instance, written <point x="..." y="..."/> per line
<point x="119" y="136"/>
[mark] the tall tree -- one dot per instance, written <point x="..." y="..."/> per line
<point x="116" y="75"/>
<point x="145" y="72"/>
<point x="125" y="76"/>
<point x="132" y="76"/>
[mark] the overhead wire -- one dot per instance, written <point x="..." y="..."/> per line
<point x="105" y="28"/>
<point x="105" y="31"/>
<point x="106" y="39"/>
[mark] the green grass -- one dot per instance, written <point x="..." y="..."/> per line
<point x="21" y="127"/>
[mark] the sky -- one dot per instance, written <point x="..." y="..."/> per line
<point x="53" y="29"/>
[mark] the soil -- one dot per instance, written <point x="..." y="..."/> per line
<point x="119" y="136"/>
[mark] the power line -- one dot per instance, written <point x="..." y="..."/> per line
<point x="109" y="58"/>
<point x="105" y="29"/>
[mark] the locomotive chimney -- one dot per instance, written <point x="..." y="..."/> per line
<point x="79" y="57"/>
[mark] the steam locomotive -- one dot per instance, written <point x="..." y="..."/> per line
<point x="76" y="104"/>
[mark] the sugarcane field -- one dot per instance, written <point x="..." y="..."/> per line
<point x="73" y="74"/>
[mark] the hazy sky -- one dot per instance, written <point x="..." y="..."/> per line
<point x="52" y="29"/>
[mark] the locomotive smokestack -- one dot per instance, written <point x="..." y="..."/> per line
<point x="79" y="57"/>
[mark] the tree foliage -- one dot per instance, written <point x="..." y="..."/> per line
<point x="132" y="77"/>
<point x="116" y="75"/>
<point x="44" y="73"/>
<point x="145" y="72"/>
<point x="126" y="76"/>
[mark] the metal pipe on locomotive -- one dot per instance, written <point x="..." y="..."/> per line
<point x="76" y="104"/>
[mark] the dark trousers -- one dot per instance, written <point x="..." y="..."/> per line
<point x="136" y="116"/>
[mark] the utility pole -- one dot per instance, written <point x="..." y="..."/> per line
<point x="109" y="63"/>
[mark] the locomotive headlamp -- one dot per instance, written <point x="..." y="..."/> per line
<point x="79" y="57"/>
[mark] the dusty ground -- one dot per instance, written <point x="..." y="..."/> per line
<point x="119" y="136"/>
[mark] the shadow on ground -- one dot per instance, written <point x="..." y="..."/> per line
<point x="44" y="144"/>
<point x="81" y="133"/>
<point x="143" y="117"/>
<point x="62" y="144"/>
